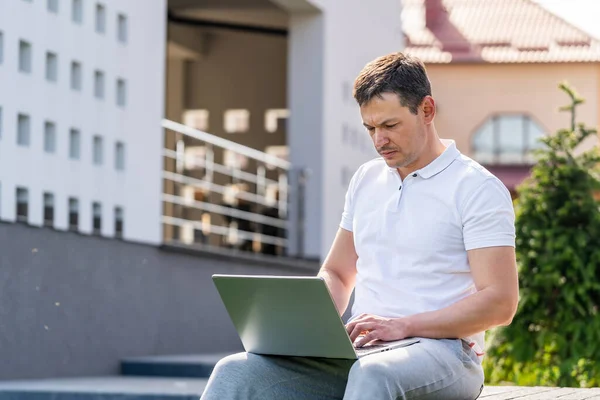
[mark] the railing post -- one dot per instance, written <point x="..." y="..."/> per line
<point x="177" y="188"/>
<point x="300" y="227"/>
<point x="260" y="180"/>
<point x="283" y="194"/>
<point x="180" y="161"/>
<point x="210" y="162"/>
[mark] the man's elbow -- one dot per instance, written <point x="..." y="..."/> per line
<point x="506" y="311"/>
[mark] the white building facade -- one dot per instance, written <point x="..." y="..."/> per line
<point x="81" y="102"/>
<point x="82" y="95"/>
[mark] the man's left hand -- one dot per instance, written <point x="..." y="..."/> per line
<point x="372" y="327"/>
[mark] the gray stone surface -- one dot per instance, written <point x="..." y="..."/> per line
<point x="75" y="305"/>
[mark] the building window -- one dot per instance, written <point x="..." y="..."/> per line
<point x="236" y="121"/>
<point x="119" y="222"/>
<point x="234" y="160"/>
<point x="197" y="119"/>
<point x="51" y="67"/>
<point x="77" y="11"/>
<point x="507" y="139"/>
<point x="100" y="18"/>
<point x="195" y="157"/>
<point x="121" y="92"/>
<point x="22" y="204"/>
<point x="49" y="137"/>
<point x="99" y="84"/>
<point x="48" y="209"/>
<point x="120" y="156"/>
<point x="74" y="144"/>
<point x="23" y="129"/>
<point x="272" y="118"/>
<point x="122" y="28"/>
<point x="76" y="75"/>
<point x="98" y="151"/>
<point x="73" y="214"/>
<point x="24" y="56"/>
<point x="96" y="218"/>
<point x="53" y="6"/>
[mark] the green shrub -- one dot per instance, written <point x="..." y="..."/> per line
<point x="554" y="340"/>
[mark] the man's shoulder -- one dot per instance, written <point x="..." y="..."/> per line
<point x="377" y="163"/>
<point x="470" y="173"/>
<point x="371" y="167"/>
<point x="367" y="172"/>
<point x="473" y="179"/>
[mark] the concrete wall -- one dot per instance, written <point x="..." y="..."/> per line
<point x="306" y="53"/>
<point x="139" y="61"/>
<point x="469" y="94"/>
<point x="73" y="305"/>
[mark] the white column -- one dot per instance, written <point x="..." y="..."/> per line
<point x="329" y="43"/>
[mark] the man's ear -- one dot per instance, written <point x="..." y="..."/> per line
<point x="428" y="108"/>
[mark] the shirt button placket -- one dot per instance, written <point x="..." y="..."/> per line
<point x="400" y="195"/>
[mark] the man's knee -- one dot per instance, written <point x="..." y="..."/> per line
<point x="368" y="371"/>
<point x="234" y="363"/>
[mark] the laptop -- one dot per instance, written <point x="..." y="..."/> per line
<point x="290" y="316"/>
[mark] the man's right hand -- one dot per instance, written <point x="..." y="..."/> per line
<point x="367" y="328"/>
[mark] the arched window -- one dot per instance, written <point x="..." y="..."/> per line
<point x="507" y="139"/>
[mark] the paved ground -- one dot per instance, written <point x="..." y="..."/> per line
<point x="145" y="388"/>
<point x="538" y="393"/>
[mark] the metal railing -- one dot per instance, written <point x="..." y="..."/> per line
<point x="221" y="193"/>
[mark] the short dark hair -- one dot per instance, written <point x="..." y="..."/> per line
<point x="397" y="73"/>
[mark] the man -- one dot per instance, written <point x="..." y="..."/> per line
<point x="427" y="243"/>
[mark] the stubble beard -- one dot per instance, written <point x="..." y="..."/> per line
<point x="406" y="161"/>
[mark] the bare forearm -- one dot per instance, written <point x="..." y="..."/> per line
<point x="339" y="290"/>
<point x="479" y="312"/>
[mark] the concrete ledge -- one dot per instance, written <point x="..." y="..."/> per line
<point x="183" y="366"/>
<point x="296" y="264"/>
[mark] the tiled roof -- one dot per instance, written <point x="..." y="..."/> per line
<point x="493" y="31"/>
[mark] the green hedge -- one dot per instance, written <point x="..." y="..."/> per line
<point x="554" y="340"/>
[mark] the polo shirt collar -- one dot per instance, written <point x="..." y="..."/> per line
<point x="440" y="163"/>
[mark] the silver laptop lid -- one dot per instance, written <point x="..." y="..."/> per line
<point x="277" y="315"/>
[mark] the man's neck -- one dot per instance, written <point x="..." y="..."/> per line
<point x="432" y="151"/>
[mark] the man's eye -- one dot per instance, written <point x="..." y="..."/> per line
<point x="390" y="126"/>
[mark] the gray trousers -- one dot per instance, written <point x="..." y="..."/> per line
<point x="445" y="369"/>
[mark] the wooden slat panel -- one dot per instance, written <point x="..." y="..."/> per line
<point x="555" y="393"/>
<point x="538" y="393"/>
<point x="494" y="390"/>
<point x="582" y="394"/>
<point x="522" y="393"/>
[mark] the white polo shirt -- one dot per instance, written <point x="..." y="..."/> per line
<point x="412" y="236"/>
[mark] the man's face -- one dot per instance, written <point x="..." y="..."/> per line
<point x="398" y="134"/>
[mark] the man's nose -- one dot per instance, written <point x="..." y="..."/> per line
<point x="380" y="138"/>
